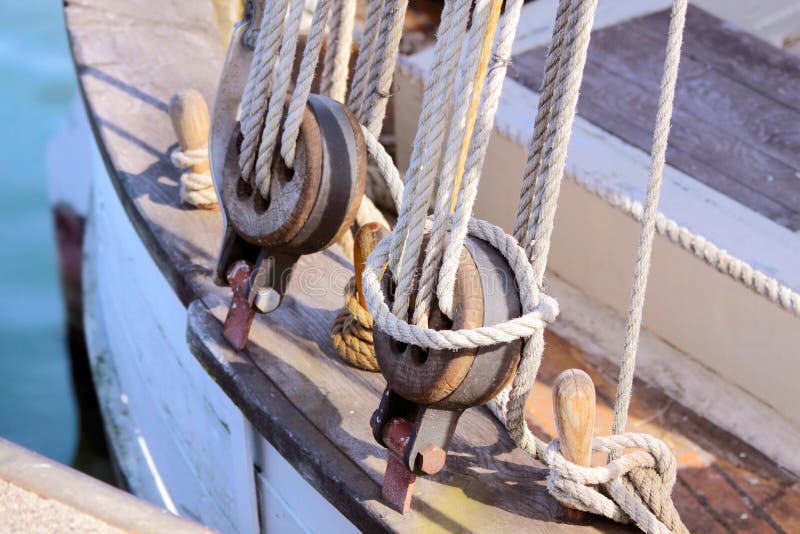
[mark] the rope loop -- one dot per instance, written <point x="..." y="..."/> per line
<point x="540" y="309"/>
<point x="634" y="487"/>
<point x="197" y="188"/>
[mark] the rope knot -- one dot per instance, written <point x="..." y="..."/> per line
<point x="351" y="333"/>
<point x="633" y="487"/>
<point x="197" y="188"/>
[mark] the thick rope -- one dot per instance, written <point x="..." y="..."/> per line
<point x="638" y="485"/>
<point x="542" y="123"/>
<point x="469" y="66"/>
<point x="640" y="482"/>
<point x="336" y="64"/>
<point x="197" y="188"/>
<point x="275" y="108"/>
<point x="644" y="494"/>
<point x="490" y="101"/>
<point x="351" y="333"/>
<point x="308" y="67"/>
<point x="378" y="54"/>
<point x="568" y="51"/>
<point x="427" y="149"/>
<point x="259" y="83"/>
<point x="505" y="332"/>
<point x="379" y="82"/>
<point x="645" y="247"/>
<point x="366" y="53"/>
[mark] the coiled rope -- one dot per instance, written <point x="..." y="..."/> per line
<point x="196" y="188"/>
<point x="351" y="332"/>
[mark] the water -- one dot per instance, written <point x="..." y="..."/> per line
<point x="37" y="84"/>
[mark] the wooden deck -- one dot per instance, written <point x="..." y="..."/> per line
<point x="309" y="405"/>
<point x="736" y="123"/>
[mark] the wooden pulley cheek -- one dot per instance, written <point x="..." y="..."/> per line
<point x="308" y="207"/>
<point x="342" y="180"/>
<point x="274" y="220"/>
<point x="423" y="375"/>
<point x="485" y="294"/>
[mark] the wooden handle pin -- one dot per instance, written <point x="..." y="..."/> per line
<point x="189" y="114"/>
<point x="367" y="238"/>
<point x="574" y="406"/>
<point x="228" y="12"/>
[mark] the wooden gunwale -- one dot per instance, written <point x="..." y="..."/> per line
<point x="130" y="56"/>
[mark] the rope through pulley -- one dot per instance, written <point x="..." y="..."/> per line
<point x="636" y="486"/>
<point x="290" y="165"/>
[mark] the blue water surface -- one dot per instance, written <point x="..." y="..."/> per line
<point x="37" y="84"/>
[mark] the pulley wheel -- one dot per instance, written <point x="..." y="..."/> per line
<point x="485" y="294"/>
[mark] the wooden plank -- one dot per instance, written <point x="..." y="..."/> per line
<point x="284" y="497"/>
<point x="487" y="484"/>
<point x="735" y="53"/>
<point x="314" y="409"/>
<point x="713" y="100"/>
<point x="724" y="134"/>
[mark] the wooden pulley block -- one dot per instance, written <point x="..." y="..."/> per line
<point x="430" y="389"/>
<point x="307" y="208"/>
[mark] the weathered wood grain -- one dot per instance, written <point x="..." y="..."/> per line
<point x="737" y="54"/>
<point x="728" y="132"/>
<point x="131" y="56"/>
<point x="574" y="416"/>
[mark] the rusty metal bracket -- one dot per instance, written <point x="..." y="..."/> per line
<point x="240" y="314"/>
